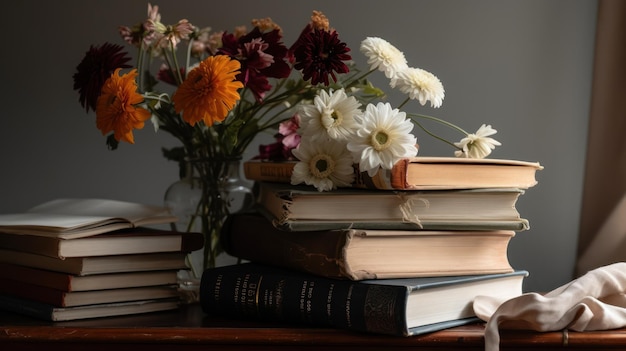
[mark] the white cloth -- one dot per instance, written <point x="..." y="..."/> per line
<point x="595" y="301"/>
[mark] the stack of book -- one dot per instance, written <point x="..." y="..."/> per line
<point x="83" y="258"/>
<point x="403" y="253"/>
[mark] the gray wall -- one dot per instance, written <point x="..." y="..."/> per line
<point x="523" y="66"/>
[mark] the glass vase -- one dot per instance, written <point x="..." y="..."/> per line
<point x="206" y="193"/>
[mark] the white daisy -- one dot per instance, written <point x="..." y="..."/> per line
<point x="477" y="145"/>
<point x="383" y="138"/>
<point x="330" y="115"/>
<point x="383" y="56"/>
<point x="325" y="165"/>
<point x="420" y="85"/>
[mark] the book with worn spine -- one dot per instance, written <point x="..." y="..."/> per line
<point x="359" y="254"/>
<point x="301" y="208"/>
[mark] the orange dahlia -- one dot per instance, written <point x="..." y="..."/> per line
<point x="209" y="92"/>
<point x="117" y="110"/>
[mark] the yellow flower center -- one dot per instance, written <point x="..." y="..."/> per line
<point x="380" y="140"/>
<point x="336" y="116"/>
<point x="321" y="166"/>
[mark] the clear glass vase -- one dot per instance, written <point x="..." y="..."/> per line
<point x="207" y="192"/>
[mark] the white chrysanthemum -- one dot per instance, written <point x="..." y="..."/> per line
<point x="325" y="165"/>
<point x="330" y="115"/>
<point x="420" y="85"/>
<point x="383" y="138"/>
<point x="383" y="56"/>
<point x="477" y="145"/>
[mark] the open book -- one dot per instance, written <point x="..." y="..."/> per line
<point x="76" y="218"/>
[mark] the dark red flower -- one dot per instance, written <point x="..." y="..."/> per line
<point x="95" y="68"/>
<point x="319" y="54"/>
<point x="262" y="55"/>
<point x="287" y="139"/>
<point x="270" y="152"/>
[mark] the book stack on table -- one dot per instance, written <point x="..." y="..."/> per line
<point x="402" y="254"/>
<point x="84" y="258"/>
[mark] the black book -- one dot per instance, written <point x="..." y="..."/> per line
<point x="404" y="307"/>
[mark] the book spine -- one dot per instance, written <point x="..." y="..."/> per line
<point x="27" y="307"/>
<point x="252" y="237"/>
<point x="304" y="299"/>
<point x="26" y="291"/>
<point x="279" y="172"/>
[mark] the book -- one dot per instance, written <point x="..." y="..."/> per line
<point x="70" y="282"/>
<point x="75" y="218"/>
<point x="420" y="173"/>
<point x="359" y="254"/>
<point x="404" y="307"/>
<point x="61" y="298"/>
<point x="57" y="314"/>
<point x="296" y="208"/>
<point x="121" y="242"/>
<point x="98" y="264"/>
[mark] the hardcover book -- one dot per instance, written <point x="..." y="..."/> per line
<point x="421" y="173"/>
<point x="358" y="254"/>
<point x="75" y="218"/>
<point x="69" y="282"/>
<point x="297" y="208"/>
<point x="58" y="314"/>
<point x="121" y="242"/>
<point x="98" y="264"/>
<point x="61" y="298"/>
<point x="386" y="306"/>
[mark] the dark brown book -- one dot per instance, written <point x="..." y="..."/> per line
<point x="98" y="264"/>
<point x="60" y="298"/>
<point x="122" y="242"/>
<point x="367" y="254"/>
<point x="71" y="282"/>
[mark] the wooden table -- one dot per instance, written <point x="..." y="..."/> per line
<point x="190" y="329"/>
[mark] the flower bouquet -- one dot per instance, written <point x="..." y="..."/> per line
<point x="216" y="91"/>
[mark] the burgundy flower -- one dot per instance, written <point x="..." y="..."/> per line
<point x="319" y="54"/>
<point x="95" y="68"/>
<point x="262" y="55"/>
<point x="287" y="139"/>
<point x="270" y="152"/>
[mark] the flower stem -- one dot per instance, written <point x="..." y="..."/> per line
<point x="434" y="135"/>
<point x="404" y="103"/>
<point x="415" y="116"/>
